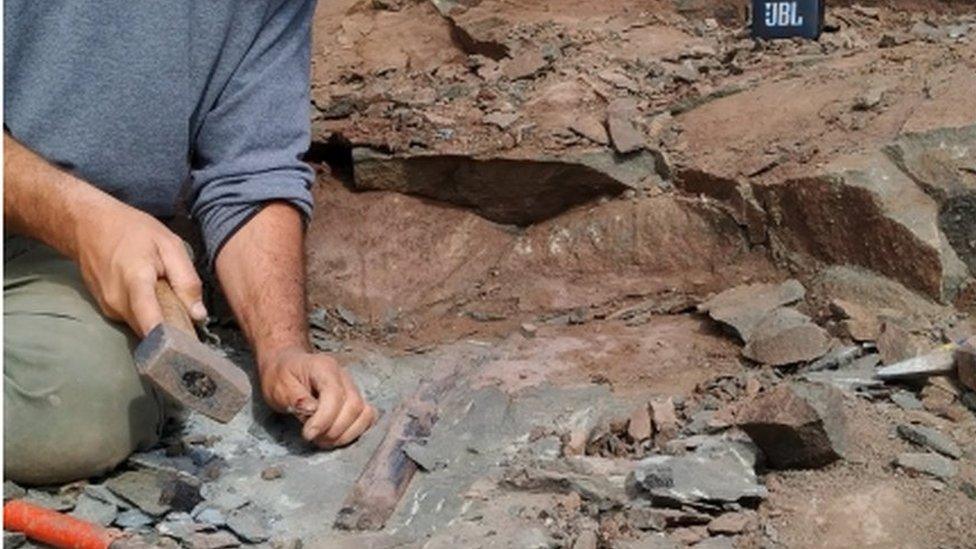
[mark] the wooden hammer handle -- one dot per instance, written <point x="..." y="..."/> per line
<point x="173" y="311"/>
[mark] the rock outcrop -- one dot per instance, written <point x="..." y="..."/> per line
<point x="865" y="211"/>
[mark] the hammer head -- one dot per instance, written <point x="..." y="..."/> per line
<point x="192" y="374"/>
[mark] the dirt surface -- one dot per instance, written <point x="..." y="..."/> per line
<point x="624" y="225"/>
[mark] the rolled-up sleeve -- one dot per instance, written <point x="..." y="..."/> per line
<point x="249" y="147"/>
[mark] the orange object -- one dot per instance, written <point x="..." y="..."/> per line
<point x="55" y="529"/>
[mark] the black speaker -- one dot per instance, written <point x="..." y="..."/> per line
<point x="787" y="19"/>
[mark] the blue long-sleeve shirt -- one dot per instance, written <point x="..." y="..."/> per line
<point x="162" y="101"/>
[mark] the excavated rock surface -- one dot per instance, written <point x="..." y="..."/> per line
<point x="523" y="113"/>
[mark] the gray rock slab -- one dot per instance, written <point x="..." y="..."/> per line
<point x="716" y="476"/>
<point x="701" y="422"/>
<point x="56" y="502"/>
<point x="601" y="481"/>
<point x="141" y="488"/>
<point x="12" y="491"/>
<point x="12" y="540"/>
<point x="480" y="431"/>
<point x="213" y="540"/>
<point x="717" y="542"/>
<point x="743" y="307"/>
<point x="132" y="519"/>
<point x="485" y="427"/>
<point x="210" y="515"/>
<point x="225" y="500"/>
<point x="424" y="457"/>
<point x="931" y="439"/>
<point x="838" y="357"/>
<point x="94" y="510"/>
<point x="786" y="336"/>
<point x="736" y="444"/>
<point x="854" y="377"/>
<point x="906" y="400"/>
<point x="927" y="463"/>
<point x="249" y="523"/>
<point x="157" y="460"/>
<point x="650" y="541"/>
<point x="181" y="526"/>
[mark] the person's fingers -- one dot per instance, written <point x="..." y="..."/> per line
<point x="145" y="312"/>
<point x="292" y="396"/>
<point x="358" y="427"/>
<point x="331" y="398"/>
<point x="304" y="409"/>
<point x="352" y="408"/>
<point x="182" y="277"/>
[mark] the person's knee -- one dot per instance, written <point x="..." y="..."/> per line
<point x="74" y="405"/>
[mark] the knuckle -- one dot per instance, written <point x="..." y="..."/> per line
<point x="188" y="285"/>
<point x="166" y="238"/>
<point x="169" y="245"/>
<point x="111" y="312"/>
<point x="356" y="404"/>
<point x="329" y="363"/>
<point x="114" y="304"/>
<point x="139" y="274"/>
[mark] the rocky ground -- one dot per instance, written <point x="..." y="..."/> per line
<point x="666" y="261"/>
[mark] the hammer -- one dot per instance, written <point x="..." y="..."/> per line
<point x="186" y="370"/>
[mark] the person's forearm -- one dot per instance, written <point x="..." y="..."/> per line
<point x="121" y="251"/>
<point x="44" y="202"/>
<point x="261" y="269"/>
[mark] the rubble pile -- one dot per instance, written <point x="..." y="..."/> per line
<point x="164" y="497"/>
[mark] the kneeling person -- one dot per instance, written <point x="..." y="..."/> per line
<point x="113" y="113"/>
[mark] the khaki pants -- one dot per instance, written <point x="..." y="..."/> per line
<point x="74" y="405"/>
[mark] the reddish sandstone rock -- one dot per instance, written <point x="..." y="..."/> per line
<point x="639" y="426"/>
<point x="860" y="323"/>
<point x="666" y="424"/>
<point x="877" y="217"/>
<point x="896" y="344"/>
<point x="797" y="426"/>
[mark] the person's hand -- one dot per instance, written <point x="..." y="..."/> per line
<point x="320" y="393"/>
<point x="122" y="252"/>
